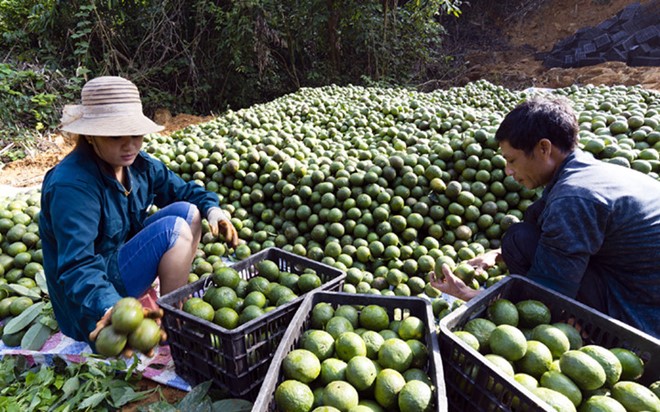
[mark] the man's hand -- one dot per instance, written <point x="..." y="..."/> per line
<point x="219" y="223"/>
<point x="452" y="285"/>
<point x="485" y="260"/>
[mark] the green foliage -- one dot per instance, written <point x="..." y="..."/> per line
<point x="279" y="46"/>
<point x="89" y="386"/>
<point x="23" y="94"/>
<point x="26" y="28"/>
<point x="395" y="43"/>
<point x="199" y="399"/>
<point x="31" y="98"/>
<point x="201" y="56"/>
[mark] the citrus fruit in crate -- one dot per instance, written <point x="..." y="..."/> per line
<point x="371" y="366"/>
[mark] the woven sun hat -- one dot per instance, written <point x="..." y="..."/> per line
<point x="111" y="106"/>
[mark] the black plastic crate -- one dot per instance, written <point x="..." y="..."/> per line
<point x="602" y="41"/>
<point x="473" y="384"/>
<point x="645" y="61"/>
<point x="405" y="306"/>
<point x="607" y="24"/>
<point x="235" y="360"/>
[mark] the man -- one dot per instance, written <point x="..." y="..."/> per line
<point x="594" y="235"/>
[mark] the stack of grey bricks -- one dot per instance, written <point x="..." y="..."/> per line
<point x="631" y="36"/>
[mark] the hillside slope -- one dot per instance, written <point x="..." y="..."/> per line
<point x="498" y="43"/>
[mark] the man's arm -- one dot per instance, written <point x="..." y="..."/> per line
<point x="573" y="230"/>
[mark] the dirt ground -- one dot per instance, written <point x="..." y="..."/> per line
<point x="490" y="44"/>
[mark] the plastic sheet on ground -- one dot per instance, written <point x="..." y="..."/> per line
<point x="159" y="368"/>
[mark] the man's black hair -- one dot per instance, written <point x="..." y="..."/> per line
<point x="540" y="118"/>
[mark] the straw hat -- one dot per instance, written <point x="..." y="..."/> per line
<point x="111" y="106"/>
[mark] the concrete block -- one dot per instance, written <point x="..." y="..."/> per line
<point x="635" y="51"/>
<point x="654" y="43"/>
<point x="579" y="56"/>
<point x="589" y="48"/>
<point x="582" y="43"/>
<point x="565" y="42"/>
<point x="550" y="62"/>
<point x="632" y="26"/>
<point x="541" y="55"/>
<point x="584" y="34"/>
<point x="616" y="55"/>
<point x="645" y="48"/>
<point x="619" y="36"/>
<point x="650" y="13"/>
<point x="629" y="43"/>
<point x="632" y="35"/>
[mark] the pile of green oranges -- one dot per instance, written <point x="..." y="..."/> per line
<point x="22" y="279"/>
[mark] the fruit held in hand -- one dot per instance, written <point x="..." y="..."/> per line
<point x="131" y="328"/>
<point x="145" y="337"/>
<point x="109" y="342"/>
<point x="127" y="314"/>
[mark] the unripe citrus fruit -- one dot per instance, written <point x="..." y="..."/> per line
<point x="126" y="315"/>
<point x="146" y="336"/>
<point x="109" y="342"/>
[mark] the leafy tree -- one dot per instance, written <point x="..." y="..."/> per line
<point x="204" y="56"/>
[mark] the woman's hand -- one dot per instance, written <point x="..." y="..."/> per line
<point x="452" y="285"/>
<point x="219" y="223"/>
<point x="149" y="310"/>
<point x="102" y="323"/>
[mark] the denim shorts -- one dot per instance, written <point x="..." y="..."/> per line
<point x="139" y="258"/>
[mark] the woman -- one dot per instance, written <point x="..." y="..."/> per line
<point x="99" y="242"/>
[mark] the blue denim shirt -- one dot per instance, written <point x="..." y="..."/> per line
<point x="86" y="217"/>
<point x="601" y="224"/>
